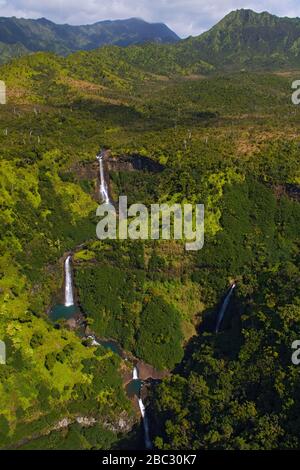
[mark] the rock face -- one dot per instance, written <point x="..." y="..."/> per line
<point x="147" y="371"/>
<point x="90" y="170"/>
<point x="133" y="163"/>
<point x="63" y="423"/>
<point x="86" y="421"/>
<point x="72" y="323"/>
<point x="123" y="424"/>
<point x="87" y="170"/>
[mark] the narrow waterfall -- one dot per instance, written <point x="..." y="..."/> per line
<point x="148" y="443"/>
<point x="135" y="374"/>
<point x="224" y="307"/>
<point x="103" y="185"/>
<point x="69" y="297"/>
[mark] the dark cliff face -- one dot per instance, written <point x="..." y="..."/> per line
<point x="90" y="170"/>
<point x="133" y="163"/>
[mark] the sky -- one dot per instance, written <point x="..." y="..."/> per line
<point x="185" y="17"/>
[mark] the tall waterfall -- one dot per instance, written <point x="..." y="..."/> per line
<point x="224" y="307"/>
<point x="103" y="185"/>
<point x="69" y="297"/>
<point x="135" y="374"/>
<point x="148" y="443"/>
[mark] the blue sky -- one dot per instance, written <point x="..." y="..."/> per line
<point x="185" y="17"/>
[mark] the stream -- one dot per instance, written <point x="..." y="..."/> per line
<point x="69" y="310"/>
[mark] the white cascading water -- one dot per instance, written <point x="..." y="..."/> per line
<point x="135" y="374"/>
<point x="224" y="307"/>
<point x="69" y="297"/>
<point x="103" y="186"/>
<point x="94" y="342"/>
<point x="148" y="443"/>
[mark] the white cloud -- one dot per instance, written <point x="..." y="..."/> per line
<point x="186" y="17"/>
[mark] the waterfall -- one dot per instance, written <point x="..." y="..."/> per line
<point x="69" y="298"/>
<point x="148" y="443"/>
<point x="103" y="185"/>
<point x="94" y="342"/>
<point x="224" y="307"/>
<point x="135" y="374"/>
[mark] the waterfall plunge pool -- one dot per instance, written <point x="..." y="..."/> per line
<point x="133" y="389"/>
<point x="61" y="312"/>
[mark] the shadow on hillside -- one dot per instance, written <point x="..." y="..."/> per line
<point x="134" y="440"/>
<point x="226" y="343"/>
<point x="117" y="113"/>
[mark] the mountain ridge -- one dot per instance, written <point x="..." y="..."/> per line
<point x="246" y="38"/>
<point x="45" y="35"/>
<point x="242" y="40"/>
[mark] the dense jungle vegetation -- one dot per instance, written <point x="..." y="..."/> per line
<point x="228" y="140"/>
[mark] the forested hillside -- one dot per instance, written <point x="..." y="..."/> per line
<point x="243" y="40"/>
<point x="19" y="36"/>
<point x="228" y="140"/>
